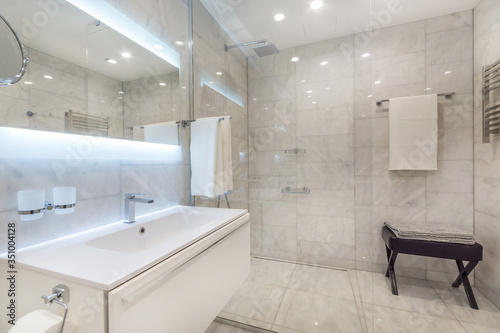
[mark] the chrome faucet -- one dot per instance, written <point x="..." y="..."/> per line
<point x="130" y="200"/>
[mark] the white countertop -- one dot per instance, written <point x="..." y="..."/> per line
<point x="71" y="257"/>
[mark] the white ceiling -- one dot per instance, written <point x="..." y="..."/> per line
<point x="249" y="20"/>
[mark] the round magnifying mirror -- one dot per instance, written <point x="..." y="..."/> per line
<point x="13" y="60"/>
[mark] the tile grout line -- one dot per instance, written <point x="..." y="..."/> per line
<point x="282" y="299"/>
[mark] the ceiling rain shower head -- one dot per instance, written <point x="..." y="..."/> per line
<point x="266" y="49"/>
<point x="261" y="50"/>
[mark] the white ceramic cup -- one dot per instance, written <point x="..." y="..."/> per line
<point x="31" y="201"/>
<point x="64" y="196"/>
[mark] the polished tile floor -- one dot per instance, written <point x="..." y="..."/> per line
<point x="293" y="298"/>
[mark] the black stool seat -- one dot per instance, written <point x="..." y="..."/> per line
<point x="458" y="252"/>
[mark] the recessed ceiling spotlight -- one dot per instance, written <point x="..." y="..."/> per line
<point x="316" y="4"/>
<point x="47" y="77"/>
<point x="323" y="63"/>
<point x="126" y="55"/>
<point x="163" y="84"/>
<point x="111" y="61"/>
<point x="179" y="43"/>
<point x="309" y="91"/>
<point x="365" y="55"/>
<point x="121" y="92"/>
<point x="448" y="72"/>
<point x="158" y="47"/>
<point x="219" y="73"/>
<point x="377" y="82"/>
<point x="279" y="17"/>
<point x="295" y="59"/>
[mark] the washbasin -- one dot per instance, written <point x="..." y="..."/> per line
<point x="142" y="236"/>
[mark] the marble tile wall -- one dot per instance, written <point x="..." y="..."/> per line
<point x="486" y="156"/>
<point x="219" y="85"/>
<point x="100" y="184"/>
<point x="330" y="111"/>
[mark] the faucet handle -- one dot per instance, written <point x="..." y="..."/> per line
<point x="133" y="195"/>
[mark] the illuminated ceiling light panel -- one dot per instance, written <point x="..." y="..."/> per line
<point x="116" y="20"/>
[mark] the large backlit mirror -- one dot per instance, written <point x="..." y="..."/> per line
<point x="86" y="78"/>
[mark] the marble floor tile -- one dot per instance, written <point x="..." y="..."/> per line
<point x="456" y="300"/>
<point x="473" y="328"/>
<point x="311" y="313"/>
<point x="270" y="272"/>
<point x="387" y="320"/>
<point x="259" y="302"/>
<point x="414" y="295"/>
<point x="222" y="328"/>
<point x="322" y="281"/>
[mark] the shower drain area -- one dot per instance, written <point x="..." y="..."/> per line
<point x="280" y="296"/>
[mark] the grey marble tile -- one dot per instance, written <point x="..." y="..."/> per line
<point x="271" y="272"/>
<point x="331" y="230"/>
<point x="456" y="301"/>
<point x="399" y="70"/>
<point x="320" y="95"/>
<point x="398" y="40"/>
<point x="449" y="46"/>
<point x="473" y="328"/>
<point x="329" y="121"/>
<point x="322" y="281"/>
<point x="402" y="321"/>
<point x="451" y="208"/>
<point x="448" y="22"/>
<point x="307" y="312"/>
<point x="256" y="301"/>
<point x="451" y="176"/>
<point x="450" y="77"/>
<point x="272" y="237"/>
<point x="272" y="88"/>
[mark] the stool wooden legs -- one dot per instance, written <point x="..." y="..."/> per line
<point x="462" y="277"/>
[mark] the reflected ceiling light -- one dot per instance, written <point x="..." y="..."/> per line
<point x="309" y="96"/>
<point x="179" y="43"/>
<point x="295" y="59"/>
<point x="28" y="82"/>
<point x="377" y="82"/>
<point x="365" y="55"/>
<point x="448" y="72"/>
<point x="323" y="63"/>
<point x="219" y="73"/>
<point x="314" y="102"/>
<point x="426" y="89"/>
<point x="47" y="77"/>
<point x="121" y="92"/>
<point x="254" y="99"/>
<point x="309" y="91"/>
<point x="211" y="82"/>
<point x="279" y="17"/>
<point x="317" y="4"/>
<point x="158" y="47"/>
<point x="369" y="96"/>
<point x="126" y="55"/>
<point x="302" y="81"/>
<point x="111" y="61"/>
<point x="163" y="84"/>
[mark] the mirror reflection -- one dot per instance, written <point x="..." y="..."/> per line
<point x="85" y="78"/>
<point x="13" y="60"/>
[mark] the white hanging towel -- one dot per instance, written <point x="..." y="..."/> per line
<point x="211" y="161"/>
<point x="413" y="131"/>
<point x="166" y="132"/>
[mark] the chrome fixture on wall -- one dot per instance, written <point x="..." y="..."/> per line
<point x="32" y="204"/>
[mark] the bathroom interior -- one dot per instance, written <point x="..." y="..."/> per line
<point x="309" y="145"/>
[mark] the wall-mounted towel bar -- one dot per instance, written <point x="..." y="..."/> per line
<point x="185" y="123"/>
<point x="295" y="151"/>
<point x="447" y="95"/>
<point x="288" y="189"/>
<point x="491" y="108"/>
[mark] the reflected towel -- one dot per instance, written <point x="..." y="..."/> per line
<point x="413" y="133"/>
<point x="166" y="132"/>
<point x="42" y="321"/>
<point x="431" y="232"/>
<point x="211" y="161"/>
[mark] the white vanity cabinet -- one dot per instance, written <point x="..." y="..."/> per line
<point x="182" y="284"/>
<point x="182" y="297"/>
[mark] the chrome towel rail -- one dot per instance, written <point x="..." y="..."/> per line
<point x="288" y="189"/>
<point x="447" y="95"/>
<point x="491" y="109"/>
